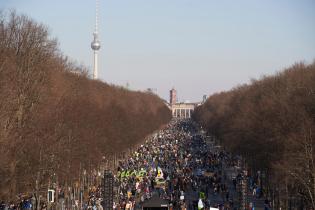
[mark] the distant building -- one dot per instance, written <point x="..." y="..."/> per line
<point x="152" y="90"/>
<point x="173" y="96"/>
<point x="204" y="98"/>
<point x="181" y="110"/>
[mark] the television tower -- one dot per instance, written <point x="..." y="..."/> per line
<point x="96" y="44"/>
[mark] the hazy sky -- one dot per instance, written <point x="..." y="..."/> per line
<point x="197" y="46"/>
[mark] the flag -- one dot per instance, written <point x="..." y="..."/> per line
<point x="160" y="173"/>
<point x="202" y="195"/>
<point x="200" y="204"/>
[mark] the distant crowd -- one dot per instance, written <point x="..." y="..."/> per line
<point x="178" y="166"/>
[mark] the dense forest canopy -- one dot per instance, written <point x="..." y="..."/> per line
<point x="271" y="123"/>
<point x="53" y="118"/>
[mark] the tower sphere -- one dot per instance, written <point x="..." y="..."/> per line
<point x="95" y="45"/>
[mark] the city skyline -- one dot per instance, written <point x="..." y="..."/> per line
<point x="196" y="47"/>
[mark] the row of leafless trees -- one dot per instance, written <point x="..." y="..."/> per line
<point x="271" y="122"/>
<point x="54" y="120"/>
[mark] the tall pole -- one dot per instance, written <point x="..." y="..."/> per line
<point x="96" y="44"/>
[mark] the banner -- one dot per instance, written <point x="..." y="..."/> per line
<point x="131" y="173"/>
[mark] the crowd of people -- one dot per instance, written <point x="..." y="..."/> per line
<point x="179" y="165"/>
<point x="25" y="203"/>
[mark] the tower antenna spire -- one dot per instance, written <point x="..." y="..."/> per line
<point x="96" y="44"/>
<point x="96" y="15"/>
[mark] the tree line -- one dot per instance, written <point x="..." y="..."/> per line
<point x="271" y="123"/>
<point x="55" y="120"/>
